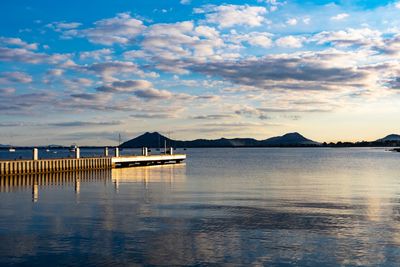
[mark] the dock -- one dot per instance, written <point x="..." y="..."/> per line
<point x="37" y="166"/>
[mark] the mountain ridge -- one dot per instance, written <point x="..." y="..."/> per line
<point x="155" y="140"/>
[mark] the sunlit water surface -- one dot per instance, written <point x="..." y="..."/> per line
<point x="274" y="207"/>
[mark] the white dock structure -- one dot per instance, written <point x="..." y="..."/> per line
<point x="35" y="165"/>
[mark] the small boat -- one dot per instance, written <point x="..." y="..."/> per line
<point x="11" y="149"/>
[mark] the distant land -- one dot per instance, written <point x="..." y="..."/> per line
<point x="156" y="140"/>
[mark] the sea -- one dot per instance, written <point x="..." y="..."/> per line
<point x="222" y="207"/>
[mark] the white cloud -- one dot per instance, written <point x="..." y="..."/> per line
<point x="289" y="42"/>
<point x="18" y="43"/>
<point x="307" y="20"/>
<point x="125" y="86"/>
<point x="15" y="77"/>
<point x="291" y="22"/>
<point x="101" y="54"/>
<point x="121" y="29"/>
<point x="62" y="26"/>
<point x="227" y="16"/>
<point x="349" y="37"/>
<point x="261" y="39"/>
<point x="185" y="2"/>
<point x="340" y="16"/>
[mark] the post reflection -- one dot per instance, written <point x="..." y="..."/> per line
<point x="36" y="182"/>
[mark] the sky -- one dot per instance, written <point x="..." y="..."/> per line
<point x="84" y="72"/>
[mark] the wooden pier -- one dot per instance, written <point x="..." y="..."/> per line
<point x="16" y="167"/>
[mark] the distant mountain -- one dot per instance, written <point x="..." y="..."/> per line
<point x="389" y="138"/>
<point x="147" y="140"/>
<point x="289" y="139"/>
<point x="155" y="140"/>
<point x="4" y="145"/>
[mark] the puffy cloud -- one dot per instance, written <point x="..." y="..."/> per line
<point x="340" y="16"/>
<point x="227" y="16"/>
<point x="15" y="77"/>
<point x="101" y="54"/>
<point x="18" y="43"/>
<point x="153" y="94"/>
<point x="349" y="37"/>
<point x="289" y="42"/>
<point x="168" y="44"/>
<point x="304" y="71"/>
<point x="55" y="72"/>
<point x="21" y="55"/>
<point x="125" y="86"/>
<point x="261" y="39"/>
<point x="107" y="70"/>
<point x="121" y="29"/>
<point x="291" y="22"/>
<point x="26" y="104"/>
<point x="389" y="46"/>
<point x="62" y="26"/>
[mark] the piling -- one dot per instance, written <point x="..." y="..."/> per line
<point x="77" y="153"/>
<point x="35" y="154"/>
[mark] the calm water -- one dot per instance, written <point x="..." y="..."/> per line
<point x="273" y="207"/>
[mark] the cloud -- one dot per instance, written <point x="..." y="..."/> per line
<point x="62" y="26"/>
<point x="291" y="22"/>
<point x="84" y="123"/>
<point x="125" y="86"/>
<point x="107" y="70"/>
<point x="21" y="55"/>
<point x="122" y="29"/>
<point x="340" y="16"/>
<point x="15" y="77"/>
<point x="17" y="42"/>
<point x="349" y="37"/>
<point x="213" y="117"/>
<point x="168" y="44"/>
<point x="227" y="16"/>
<point x="303" y="70"/>
<point x="289" y="42"/>
<point x="7" y="91"/>
<point x="101" y="54"/>
<point x="185" y="2"/>
<point x="261" y="39"/>
<point x="153" y="94"/>
<point x="26" y="104"/>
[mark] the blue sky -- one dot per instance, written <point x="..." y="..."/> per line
<point x="75" y="72"/>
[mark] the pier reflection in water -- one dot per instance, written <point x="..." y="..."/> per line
<point x="278" y="207"/>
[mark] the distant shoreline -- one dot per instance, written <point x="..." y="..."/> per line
<point x="394" y="148"/>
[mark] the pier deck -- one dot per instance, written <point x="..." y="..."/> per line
<point x="12" y="167"/>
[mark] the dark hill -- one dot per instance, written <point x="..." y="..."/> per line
<point x="389" y="138"/>
<point x="289" y="139"/>
<point x="156" y="140"/>
<point x="153" y="140"/>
